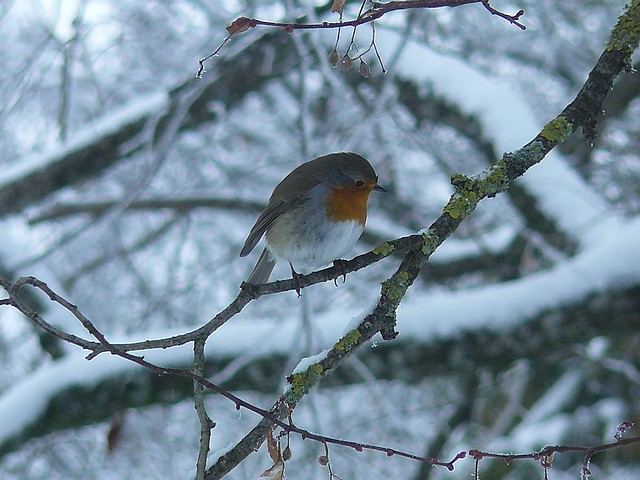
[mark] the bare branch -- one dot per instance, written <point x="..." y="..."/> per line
<point x="94" y="208"/>
<point x="546" y="454"/>
<point x="373" y="13"/>
<point x="376" y="11"/>
<point x="513" y="19"/>
<point x="582" y="111"/>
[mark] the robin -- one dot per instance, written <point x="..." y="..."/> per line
<point x="314" y="216"/>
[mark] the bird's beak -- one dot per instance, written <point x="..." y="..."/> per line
<point x="378" y="188"/>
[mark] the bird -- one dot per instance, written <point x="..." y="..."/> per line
<point x="314" y="215"/>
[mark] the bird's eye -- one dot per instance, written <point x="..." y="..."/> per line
<point x="359" y="183"/>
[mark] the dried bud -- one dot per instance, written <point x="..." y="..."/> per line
<point x="323" y="460"/>
<point x="546" y="460"/>
<point x="333" y="58"/>
<point x="286" y="454"/>
<point x="622" y="428"/>
<point x="346" y="62"/>
<point x="365" y="71"/>
<point x="273" y="447"/>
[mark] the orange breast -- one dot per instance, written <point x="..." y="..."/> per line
<point x="348" y="204"/>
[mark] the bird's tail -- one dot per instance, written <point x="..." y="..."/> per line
<point x="263" y="268"/>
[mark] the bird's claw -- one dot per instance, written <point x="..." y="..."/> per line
<point x="341" y="265"/>
<point x="251" y="289"/>
<point x="296" y="280"/>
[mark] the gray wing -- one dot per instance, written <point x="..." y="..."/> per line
<point x="266" y="218"/>
<point x="287" y="194"/>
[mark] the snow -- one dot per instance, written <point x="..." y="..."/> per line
<point x="357" y="319"/>
<point x="27" y="401"/>
<point x="561" y="394"/>
<point x="597" y="348"/>
<point x="608" y="259"/>
<point x="611" y="262"/>
<point x="308" y="361"/>
<point x="503" y="111"/>
<point x="132" y="112"/>
<point x="455" y="249"/>
<point x="18" y="243"/>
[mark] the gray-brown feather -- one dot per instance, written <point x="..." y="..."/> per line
<point x="333" y="169"/>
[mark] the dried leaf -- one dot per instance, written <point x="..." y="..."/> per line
<point x="114" y="436"/>
<point x="276" y="472"/>
<point x="547" y="460"/>
<point x="273" y="447"/>
<point x="338" y="6"/>
<point x="239" y="25"/>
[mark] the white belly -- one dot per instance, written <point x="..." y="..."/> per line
<point x="309" y="241"/>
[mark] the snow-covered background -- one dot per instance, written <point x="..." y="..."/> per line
<point x="129" y="186"/>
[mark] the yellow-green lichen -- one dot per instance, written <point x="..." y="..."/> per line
<point x="459" y="204"/>
<point x="625" y="36"/>
<point x="430" y="240"/>
<point x="462" y="182"/>
<point x="385" y="249"/>
<point x="496" y="181"/>
<point x="395" y="287"/>
<point x="557" y="129"/>
<point x="347" y="342"/>
<point x="302" y="382"/>
<point x="527" y="156"/>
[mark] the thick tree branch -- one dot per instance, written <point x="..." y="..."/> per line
<point x="583" y="112"/>
<point x="430" y="107"/>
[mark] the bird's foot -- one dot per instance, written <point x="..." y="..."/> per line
<point x="341" y="265"/>
<point x="296" y="280"/>
<point x="251" y="289"/>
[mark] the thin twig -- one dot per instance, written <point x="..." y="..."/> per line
<point x="106" y="346"/>
<point x="206" y="425"/>
<point x="202" y="68"/>
<point x="513" y="19"/>
<point x="550" y="450"/>
<point x="376" y="11"/>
